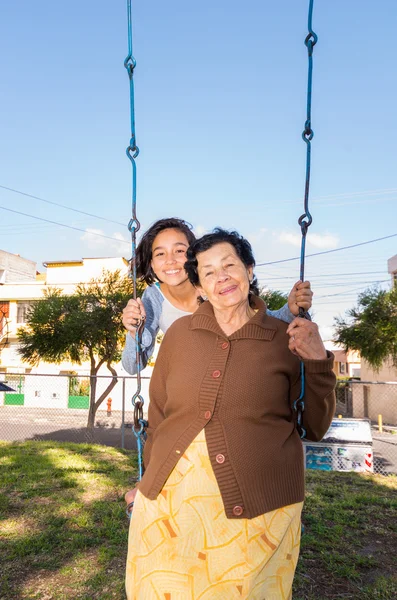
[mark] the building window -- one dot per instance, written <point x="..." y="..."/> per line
<point x="342" y="369"/>
<point x="22" y="311"/>
<point x="2" y="276"/>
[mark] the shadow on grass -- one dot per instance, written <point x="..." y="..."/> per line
<point x="349" y="540"/>
<point x="64" y="531"/>
<point x="60" y="503"/>
<point x="107" y="436"/>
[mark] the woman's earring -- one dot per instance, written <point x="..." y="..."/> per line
<point x="204" y="298"/>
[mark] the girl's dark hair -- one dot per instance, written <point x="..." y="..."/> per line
<point x="218" y="236"/>
<point x="144" y="249"/>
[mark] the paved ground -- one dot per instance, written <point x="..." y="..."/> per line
<point x="19" y="423"/>
<point x="385" y="452"/>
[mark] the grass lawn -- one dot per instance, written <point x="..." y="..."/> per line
<point x="63" y="531"/>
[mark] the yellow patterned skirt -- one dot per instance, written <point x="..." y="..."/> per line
<point x="182" y="547"/>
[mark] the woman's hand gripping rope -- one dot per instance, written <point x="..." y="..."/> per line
<point x="300" y="297"/>
<point x="305" y="340"/>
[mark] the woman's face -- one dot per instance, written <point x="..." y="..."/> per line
<point x="169" y="255"/>
<point x="224" y="278"/>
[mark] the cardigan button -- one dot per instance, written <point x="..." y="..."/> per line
<point x="225" y="345"/>
<point x="207" y="414"/>
<point x="238" y="511"/>
<point x="220" y="459"/>
<point x="216" y="374"/>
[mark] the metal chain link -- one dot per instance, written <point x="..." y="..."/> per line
<point x="132" y="152"/>
<point x="305" y="220"/>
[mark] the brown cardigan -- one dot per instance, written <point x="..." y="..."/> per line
<point x="240" y="389"/>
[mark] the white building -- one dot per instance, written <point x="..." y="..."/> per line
<point x="20" y="285"/>
<point x="392" y="268"/>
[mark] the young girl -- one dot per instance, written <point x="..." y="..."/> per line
<point x="160" y="259"/>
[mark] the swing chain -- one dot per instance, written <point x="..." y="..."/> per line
<point x="130" y="64"/>
<point x="139" y="426"/>
<point x="305" y="220"/>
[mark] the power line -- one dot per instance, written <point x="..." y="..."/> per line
<point x="275" y="262"/>
<point x="338" y="285"/>
<point x="317" y="200"/>
<point x="355" y="203"/>
<point x="338" y="261"/>
<point x="87" y="214"/>
<point x="64" y="225"/>
<point x="348" y="292"/>
<point x="347" y="301"/>
<point x="355" y="257"/>
<point x="324" y="275"/>
<point x="365" y="193"/>
<point x="327" y="283"/>
<point x="21" y="229"/>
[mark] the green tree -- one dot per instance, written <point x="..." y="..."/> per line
<point x="84" y="326"/>
<point x="371" y="328"/>
<point x="274" y="299"/>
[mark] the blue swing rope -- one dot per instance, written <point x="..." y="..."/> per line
<point x="305" y="220"/>
<point x="132" y="152"/>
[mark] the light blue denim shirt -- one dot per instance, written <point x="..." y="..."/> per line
<point x="153" y="299"/>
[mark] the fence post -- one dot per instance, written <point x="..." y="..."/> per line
<point x="123" y="414"/>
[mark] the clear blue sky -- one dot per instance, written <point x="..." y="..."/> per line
<point x="220" y="106"/>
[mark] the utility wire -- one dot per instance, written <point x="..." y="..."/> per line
<point x="276" y="262"/>
<point x="281" y="277"/>
<point x="348" y="292"/>
<point x="315" y="200"/>
<point x="325" y="287"/>
<point x="87" y="214"/>
<point x="63" y="225"/>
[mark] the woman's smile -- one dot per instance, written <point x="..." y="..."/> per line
<point x="228" y="290"/>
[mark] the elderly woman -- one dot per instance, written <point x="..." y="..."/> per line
<point x="217" y="513"/>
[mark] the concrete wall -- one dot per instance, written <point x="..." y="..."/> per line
<point x="370" y="400"/>
<point x="392" y="268"/>
<point x="386" y="373"/>
<point x="14" y="268"/>
<point x="82" y="271"/>
<point x="52" y="392"/>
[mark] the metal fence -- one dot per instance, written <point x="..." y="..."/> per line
<point x="377" y="402"/>
<point x="55" y="407"/>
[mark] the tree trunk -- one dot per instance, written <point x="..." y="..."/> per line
<point x="93" y="408"/>
<point x="95" y="404"/>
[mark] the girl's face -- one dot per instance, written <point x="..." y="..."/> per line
<point x="169" y="255"/>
